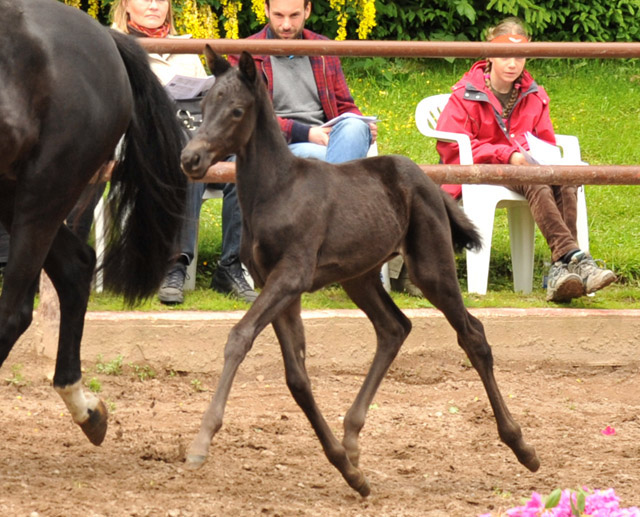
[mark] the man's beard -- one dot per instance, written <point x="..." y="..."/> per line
<point x="290" y="35"/>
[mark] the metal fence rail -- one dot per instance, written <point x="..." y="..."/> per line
<point x="413" y="49"/>
<point x="225" y="172"/>
<point x="477" y="174"/>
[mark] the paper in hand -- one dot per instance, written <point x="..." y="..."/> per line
<point x="337" y="119"/>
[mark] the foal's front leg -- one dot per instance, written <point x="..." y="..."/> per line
<point x="392" y="328"/>
<point x="280" y="290"/>
<point x="290" y="333"/>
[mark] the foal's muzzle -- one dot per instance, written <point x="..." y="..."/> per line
<point x="195" y="159"/>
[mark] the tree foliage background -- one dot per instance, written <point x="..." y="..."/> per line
<point x="419" y="20"/>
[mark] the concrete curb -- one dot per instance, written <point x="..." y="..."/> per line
<point x="194" y="341"/>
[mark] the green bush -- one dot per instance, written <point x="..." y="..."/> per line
<point x="460" y="20"/>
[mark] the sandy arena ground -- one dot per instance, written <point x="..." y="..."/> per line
<point x="429" y="447"/>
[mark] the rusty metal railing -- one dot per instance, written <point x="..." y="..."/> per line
<point x="225" y="172"/>
<point x="475" y="174"/>
<point x="413" y="49"/>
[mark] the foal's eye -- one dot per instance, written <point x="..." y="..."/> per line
<point x="237" y="112"/>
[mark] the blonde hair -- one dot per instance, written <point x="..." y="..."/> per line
<point x="120" y="17"/>
<point x="511" y="25"/>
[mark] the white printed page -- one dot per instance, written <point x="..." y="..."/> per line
<point x="185" y="87"/>
<point x="337" y="119"/>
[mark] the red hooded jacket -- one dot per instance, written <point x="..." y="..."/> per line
<point x="473" y="109"/>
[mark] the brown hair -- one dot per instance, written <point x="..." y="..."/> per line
<point x="120" y="17"/>
<point x="306" y="3"/>
<point x="511" y="25"/>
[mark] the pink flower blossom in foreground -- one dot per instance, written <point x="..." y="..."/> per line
<point x="599" y="503"/>
<point x="608" y="431"/>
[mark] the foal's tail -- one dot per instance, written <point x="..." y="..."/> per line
<point x="463" y="232"/>
<point x="148" y="189"/>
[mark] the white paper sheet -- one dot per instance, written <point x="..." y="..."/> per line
<point x="185" y="87"/>
<point x="337" y="119"/>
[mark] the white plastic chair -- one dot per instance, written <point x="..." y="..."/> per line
<point x="480" y="203"/>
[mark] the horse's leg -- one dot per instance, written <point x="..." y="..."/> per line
<point x="15" y="293"/>
<point x="283" y="286"/>
<point x="392" y="328"/>
<point x="70" y="265"/>
<point x="431" y="265"/>
<point x="289" y="330"/>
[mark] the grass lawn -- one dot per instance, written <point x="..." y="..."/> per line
<point x="595" y="100"/>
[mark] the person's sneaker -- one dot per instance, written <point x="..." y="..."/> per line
<point x="593" y="276"/>
<point x="171" y="290"/>
<point x="230" y="280"/>
<point x="402" y="284"/>
<point x="563" y="285"/>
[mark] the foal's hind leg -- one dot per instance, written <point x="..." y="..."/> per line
<point x="431" y="267"/>
<point x="392" y="328"/>
<point x="290" y="333"/>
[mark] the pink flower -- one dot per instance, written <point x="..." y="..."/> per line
<point x="608" y="431"/>
<point x="597" y="503"/>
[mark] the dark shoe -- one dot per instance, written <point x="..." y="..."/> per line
<point x="171" y="290"/>
<point x="230" y="280"/>
<point x="563" y="285"/>
<point x="593" y="277"/>
<point x="402" y="284"/>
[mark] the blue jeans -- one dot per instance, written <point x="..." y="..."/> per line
<point x="349" y="140"/>
<point x="231" y="222"/>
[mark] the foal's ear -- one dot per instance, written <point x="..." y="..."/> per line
<point x="217" y="64"/>
<point x="247" y="67"/>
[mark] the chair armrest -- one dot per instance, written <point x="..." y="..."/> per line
<point x="463" y="141"/>
<point x="427" y="113"/>
<point x="570" y="149"/>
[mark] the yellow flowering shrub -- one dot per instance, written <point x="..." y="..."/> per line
<point x="203" y="19"/>
<point x="366" y="10"/>
<point x="257" y="7"/>
<point x="230" y="10"/>
<point x="199" y="21"/>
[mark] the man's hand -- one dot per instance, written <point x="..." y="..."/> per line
<point x="319" y="135"/>
<point x="373" y="127"/>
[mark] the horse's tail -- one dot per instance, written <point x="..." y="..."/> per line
<point x="464" y="234"/>
<point x="148" y="189"/>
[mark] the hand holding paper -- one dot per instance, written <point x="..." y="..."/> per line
<point x="543" y="152"/>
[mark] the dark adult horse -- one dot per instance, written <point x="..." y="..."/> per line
<point x="308" y="224"/>
<point x="70" y="89"/>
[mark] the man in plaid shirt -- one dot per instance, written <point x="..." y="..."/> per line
<point x="308" y="91"/>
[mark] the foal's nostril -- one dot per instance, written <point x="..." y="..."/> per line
<point x="190" y="160"/>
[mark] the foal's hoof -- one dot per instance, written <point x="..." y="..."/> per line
<point x="95" y="427"/>
<point x="194" y="461"/>
<point x="364" y="489"/>
<point x="529" y="459"/>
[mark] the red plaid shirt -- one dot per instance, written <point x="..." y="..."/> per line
<point x="333" y="91"/>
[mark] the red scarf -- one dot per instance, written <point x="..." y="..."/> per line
<point x="139" y="30"/>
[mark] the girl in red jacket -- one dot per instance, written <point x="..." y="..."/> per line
<point x="496" y="103"/>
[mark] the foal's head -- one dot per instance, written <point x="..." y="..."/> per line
<point x="229" y="114"/>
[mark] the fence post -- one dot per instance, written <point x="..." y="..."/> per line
<point x="47" y="319"/>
